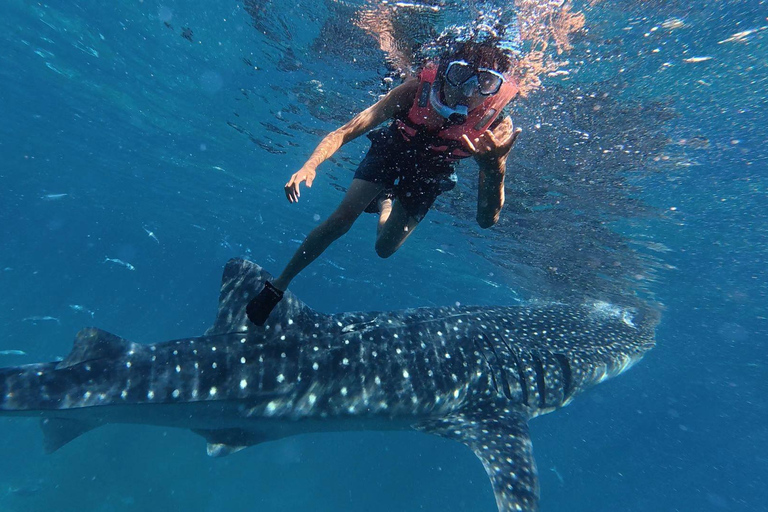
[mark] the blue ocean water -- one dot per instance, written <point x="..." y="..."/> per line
<point x="185" y="119"/>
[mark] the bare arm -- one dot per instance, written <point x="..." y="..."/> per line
<point x="369" y="118"/>
<point x="490" y="195"/>
<point x="491" y="151"/>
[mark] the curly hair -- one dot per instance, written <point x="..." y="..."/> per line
<point x="485" y="54"/>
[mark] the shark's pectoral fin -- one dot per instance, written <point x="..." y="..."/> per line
<point x="227" y="441"/>
<point x="499" y="437"/>
<point x="57" y="432"/>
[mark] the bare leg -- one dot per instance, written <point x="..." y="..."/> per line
<point x="394" y="229"/>
<point x="385" y="210"/>
<point x="358" y="196"/>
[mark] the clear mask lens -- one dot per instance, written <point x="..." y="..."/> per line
<point x="458" y="72"/>
<point x="462" y="75"/>
<point x="489" y="82"/>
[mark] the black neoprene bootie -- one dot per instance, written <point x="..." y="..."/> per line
<point x="261" y="306"/>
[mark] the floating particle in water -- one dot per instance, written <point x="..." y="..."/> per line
<point x="741" y="37"/>
<point x="211" y="82"/>
<point x="733" y="332"/>
<point x="673" y="23"/>
<point x="165" y="14"/>
<point x="12" y="352"/>
<point x="53" y="197"/>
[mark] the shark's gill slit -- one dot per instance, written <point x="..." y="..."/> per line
<point x="540" y="384"/>
<point x="488" y="365"/>
<point x="565" y="368"/>
<point x="518" y="369"/>
<point x="499" y="368"/>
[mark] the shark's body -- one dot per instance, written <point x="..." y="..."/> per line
<point x="473" y="374"/>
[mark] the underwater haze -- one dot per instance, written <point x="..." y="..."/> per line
<point x="144" y="143"/>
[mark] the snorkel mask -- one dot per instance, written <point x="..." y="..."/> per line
<point x="469" y="81"/>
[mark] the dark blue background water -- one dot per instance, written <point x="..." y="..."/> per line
<point x="110" y="106"/>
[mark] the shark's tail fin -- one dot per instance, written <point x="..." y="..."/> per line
<point x="242" y="280"/>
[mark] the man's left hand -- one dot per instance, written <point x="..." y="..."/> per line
<point x="488" y="150"/>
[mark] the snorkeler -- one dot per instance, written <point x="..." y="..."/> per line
<point x="450" y="112"/>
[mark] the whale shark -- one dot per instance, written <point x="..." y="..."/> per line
<point x="473" y="374"/>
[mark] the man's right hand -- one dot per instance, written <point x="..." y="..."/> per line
<point x="292" y="187"/>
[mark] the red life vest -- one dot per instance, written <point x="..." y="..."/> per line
<point x="445" y="138"/>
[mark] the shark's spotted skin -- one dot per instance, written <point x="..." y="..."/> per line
<point x="473" y="374"/>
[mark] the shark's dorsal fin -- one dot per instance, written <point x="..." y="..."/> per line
<point x="92" y="344"/>
<point x="242" y="280"/>
<point x="498" y="434"/>
<point x="227" y="441"/>
<point x="59" y="431"/>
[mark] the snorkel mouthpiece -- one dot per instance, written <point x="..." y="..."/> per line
<point x="443" y="109"/>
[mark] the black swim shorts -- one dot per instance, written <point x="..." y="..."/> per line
<point x="415" y="181"/>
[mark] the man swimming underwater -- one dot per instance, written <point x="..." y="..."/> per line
<point x="449" y="112"/>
